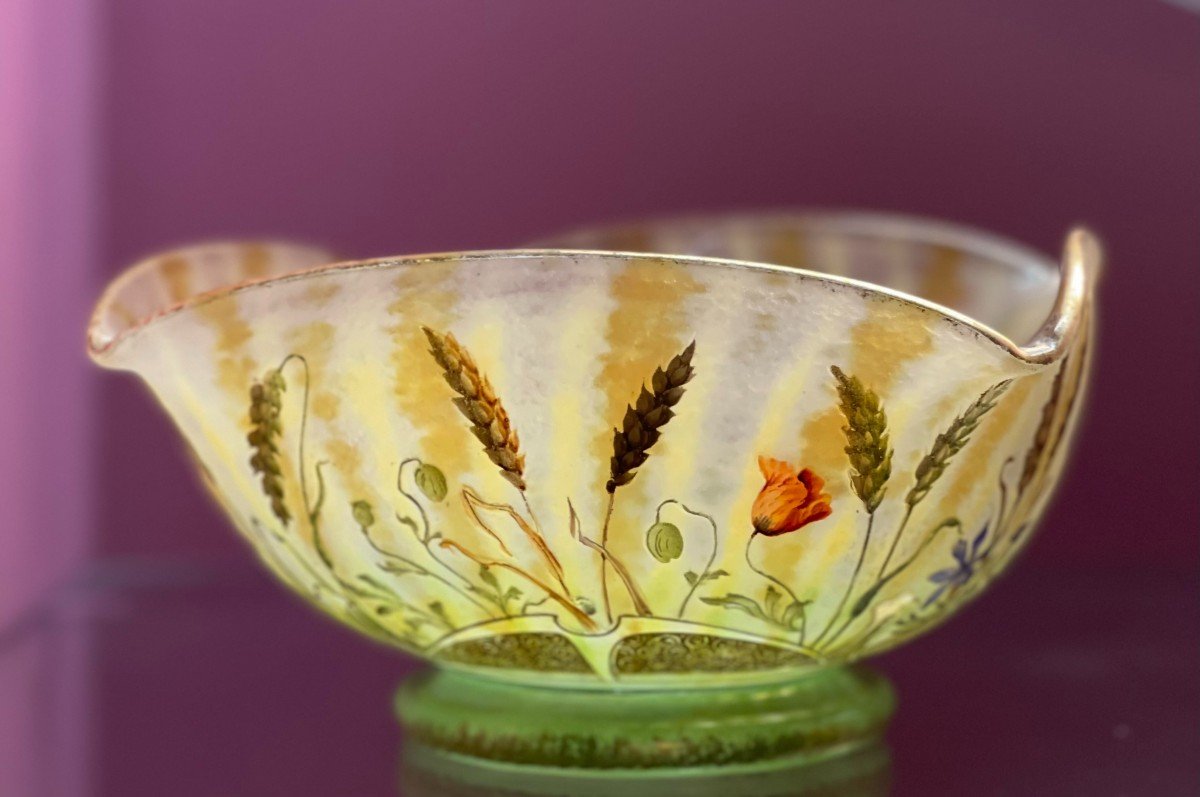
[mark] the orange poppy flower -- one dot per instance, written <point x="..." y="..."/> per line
<point x="789" y="500"/>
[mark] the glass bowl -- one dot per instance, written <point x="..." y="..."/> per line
<point x="645" y="484"/>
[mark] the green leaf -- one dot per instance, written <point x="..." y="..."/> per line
<point x="692" y="578"/>
<point x="772" y="601"/>
<point x="714" y="575"/>
<point x="374" y="583"/>
<point x="399" y="569"/>
<point x="793" y="614"/>
<point x="489" y="577"/>
<point x="739" y="603"/>
<point x="863" y="602"/>
<point x="440" y="612"/>
<point x="511" y="594"/>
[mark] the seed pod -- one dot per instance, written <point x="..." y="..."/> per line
<point x="665" y="542"/>
<point x="363" y="515"/>
<point x="431" y="481"/>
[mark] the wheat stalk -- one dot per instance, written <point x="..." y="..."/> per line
<point x="870" y="458"/>
<point x="945" y="446"/>
<point x="645" y="418"/>
<point x="1041" y="438"/>
<point x="866" y="439"/>
<point x="266" y="402"/>
<point x="480" y="405"/>
<point x="951" y="441"/>
<point x="640" y="429"/>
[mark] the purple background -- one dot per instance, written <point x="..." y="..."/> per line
<point x="387" y="128"/>
<point x="392" y="127"/>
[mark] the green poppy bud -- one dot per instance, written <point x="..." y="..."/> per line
<point x="431" y="481"/>
<point x="665" y="541"/>
<point x="363" y="515"/>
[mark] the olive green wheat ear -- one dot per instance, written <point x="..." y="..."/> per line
<point x="950" y="442"/>
<point x="866" y="438"/>
<point x="266" y="402"/>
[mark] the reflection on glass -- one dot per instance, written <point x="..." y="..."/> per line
<point x="862" y="772"/>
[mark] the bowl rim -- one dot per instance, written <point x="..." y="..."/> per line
<point x="1078" y="271"/>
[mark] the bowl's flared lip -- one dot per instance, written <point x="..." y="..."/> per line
<point x="1076" y="273"/>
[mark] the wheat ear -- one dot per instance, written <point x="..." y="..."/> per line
<point x="644" y="419"/>
<point x="951" y="441"/>
<point x="266" y="402"/>
<point x="866" y="439"/>
<point x="480" y="405"/>
<point x="945" y="446"/>
<point x="640" y="429"/>
<point x="870" y="458"/>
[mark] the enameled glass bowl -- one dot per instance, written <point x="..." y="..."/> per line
<point x="722" y="453"/>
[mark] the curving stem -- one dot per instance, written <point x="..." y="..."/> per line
<point x="867" y="597"/>
<point x="862" y="556"/>
<point x="777" y="582"/>
<point x="712" y="557"/>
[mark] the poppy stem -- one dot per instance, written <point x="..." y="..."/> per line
<point x="774" y="580"/>
<point x="862" y="556"/>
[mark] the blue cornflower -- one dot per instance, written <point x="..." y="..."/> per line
<point x="966" y="558"/>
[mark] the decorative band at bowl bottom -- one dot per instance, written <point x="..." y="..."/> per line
<point x="813" y="716"/>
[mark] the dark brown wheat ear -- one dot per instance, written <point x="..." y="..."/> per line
<point x="480" y="405"/>
<point x="644" y="420"/>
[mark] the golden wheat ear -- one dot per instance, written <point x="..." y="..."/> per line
<point x="480" y="405"/>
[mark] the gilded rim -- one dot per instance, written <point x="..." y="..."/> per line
<point x="1078" y="270"/>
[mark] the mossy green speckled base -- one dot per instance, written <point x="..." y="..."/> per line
<point x="859" y="772"/>
<point x="817" y="715"/>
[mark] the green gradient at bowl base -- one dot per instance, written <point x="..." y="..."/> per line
<point x="505" y="733"/>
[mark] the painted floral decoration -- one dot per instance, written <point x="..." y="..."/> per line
<point x="789" y="500"/>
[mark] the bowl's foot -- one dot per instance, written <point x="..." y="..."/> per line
<point x="460" y="723"/>
<point x="859" y="772"/>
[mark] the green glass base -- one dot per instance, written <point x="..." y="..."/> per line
<point x="486" y="724"/>
<point x="858" y="772"/>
